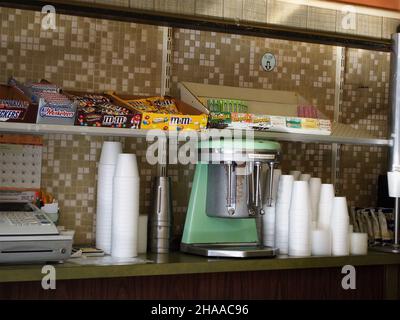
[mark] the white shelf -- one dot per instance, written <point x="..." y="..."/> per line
<point x="342" y="134"/>
<point x="33" y="128"/>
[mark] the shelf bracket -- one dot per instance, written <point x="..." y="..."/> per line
<point x="339" y="78"/>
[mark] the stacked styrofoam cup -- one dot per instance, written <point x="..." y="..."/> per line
<point x="326" y="197"/>
<point x="321" y="242"/>
<point x="340" y="227"/>
<point x="284" y="196"/>
<point x="108" y="160"/>
<point x="269" y="225"/>
<point x="305" y="177"/>
<point x="125" y="207"/>
<point x="300" y="220"/>
<point x="296" y="174"/>
<point x="315" y="189"/>
<point x="358" y="243"/>
<point x="351" y="229"/>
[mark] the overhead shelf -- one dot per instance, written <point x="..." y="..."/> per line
<point x="33" y="128"/>
<point x="277" y="103"/>
<point x="342" y="134"/>
<point x="93" y="9"/>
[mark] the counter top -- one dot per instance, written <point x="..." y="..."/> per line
<point x="180" y="263"/>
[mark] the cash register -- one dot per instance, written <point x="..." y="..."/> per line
<point x="28" y="235"/>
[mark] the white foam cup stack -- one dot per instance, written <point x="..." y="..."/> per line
<point x="315" y="190"/>
<point x="269" y="225"/>
<point x="358" y="243"/>
<point x="109" y="152"/>
<point x="127" y="166"/>
<point x="340" y="227"/>
<point x="125" y="207"/>
<point x="351" y="229"/>
<point x="321" y="242"/>
<point x="300" y="220"/>
<point x="108" y="160"/>
<point x="327" y="194"/>
<point x="284" y="195"/>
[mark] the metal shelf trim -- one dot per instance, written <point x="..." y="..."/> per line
<point x="40" y="129"/>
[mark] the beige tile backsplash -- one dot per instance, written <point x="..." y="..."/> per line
<point x="96" y="55"/>
<point x="287" y="13"/>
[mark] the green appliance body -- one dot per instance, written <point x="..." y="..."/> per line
<point x="200" y="228"/>
<point x="222" y="236"/>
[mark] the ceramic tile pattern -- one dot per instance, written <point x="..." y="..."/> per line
<point x="82" y="54"/>
<point x="365" y="104"/>
<point x="234" y="60"/>
<point x="286" y="13"/>
<point x="255" y="10"/>
<point x="94" y="55"/>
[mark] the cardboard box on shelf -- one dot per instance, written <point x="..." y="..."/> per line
<point x="165" y="113"/>
<point x="99" y="110"/>
<point x="268" y="110"/>
<point x="53" y="106"/>
<point x="15" y="106"/>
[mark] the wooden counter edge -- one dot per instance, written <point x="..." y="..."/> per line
<point x="184" y="264"/>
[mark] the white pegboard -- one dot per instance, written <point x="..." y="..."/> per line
<point x="21" y="166"/>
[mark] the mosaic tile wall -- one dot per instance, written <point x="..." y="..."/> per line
<point x="300" y="14"/>
<point x="82" y="53"/>
<point x="365" y="105"/>
<point x="127" y="57"/>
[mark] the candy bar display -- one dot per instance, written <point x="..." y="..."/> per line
<point x="219" y="119"/>
<point x="99" y="111"/>
<point x="53" y="106"/>
<point x="15" y="107"/>
<point x="308" y="112"/>
<point x="12" y="109"/>
<point x="165" y="113"/>
<point x="155" y="104"/>
<point x="226" y="105"/>
<point x="263" y="122"/>
<point x="255" y="109"/>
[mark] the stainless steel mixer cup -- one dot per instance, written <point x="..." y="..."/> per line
<point x="235" y="190"/>
<point x="161" y="216"/>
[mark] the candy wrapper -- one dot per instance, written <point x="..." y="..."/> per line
<point x="53" y="106"/>
<point x="100" y="111"/>
<point x="165" y="113"/>
<point x="15" y="106"/>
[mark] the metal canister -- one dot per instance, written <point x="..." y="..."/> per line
<point x="161" y="228"/>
